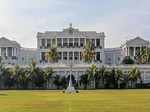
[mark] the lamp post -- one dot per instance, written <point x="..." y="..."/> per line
<point x="70" y="89"/>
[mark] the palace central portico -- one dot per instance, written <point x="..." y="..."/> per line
<point x="70" y="43"/>
<point x="134" y="46"/>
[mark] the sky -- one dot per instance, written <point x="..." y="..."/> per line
<point x="121" y="20"/>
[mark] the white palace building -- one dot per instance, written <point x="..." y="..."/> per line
<point x="70" y="43"/>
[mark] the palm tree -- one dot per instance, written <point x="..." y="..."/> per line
<point x="100" y="75"/>
<point x="143" y="57"/>
<point x="36" y="75"/>
<point x="89" y="52"/>
<point x="134" y="75"/>
<point x="16" y="73"/>
<point x="48" y="73"/>
<point x="63" y="82"/>
<point x="57" y="81"/>
<point x="92" y="73"/>
<point x="107" y="78"/>
<point x="8" y="78"/>
<point x="23" y="78"/>
<point x="84" y="80"/>
<point x="119" y="77"/>
<point x="52" y="54"/>
<point x="2" y="69"/>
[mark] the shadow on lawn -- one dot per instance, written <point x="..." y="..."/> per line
<point x="2" y="94"/>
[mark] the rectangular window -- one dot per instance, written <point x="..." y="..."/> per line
<point x="3" y="52"/>
<point x="64" y="55"/>
<point x="70" y="55"/>
<point x="93" y="42"/>
<point x="48" y="43"/>
<point x="81" y="42"/>
<point x="9" y="51"/>
<point x="98" y="56"/>
<point x="97" y="42"/>
<point x="43" y="56"/>
<point x="76" y="55"/>
<point x="70" y="42"/>
<point x="59" y="55"/>
<point x="43" y="42"/>
<point x="65" y="42"/>
<point x="76" y="42"/>
<point x="59" y="40"/>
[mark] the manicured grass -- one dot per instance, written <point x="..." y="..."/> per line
<point x="85" y="101"/>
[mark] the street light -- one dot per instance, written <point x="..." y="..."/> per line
<point x="70" y="88"/>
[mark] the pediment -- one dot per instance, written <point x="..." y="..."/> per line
<point x="137" y="42"/>
<point x="4" y="42"/>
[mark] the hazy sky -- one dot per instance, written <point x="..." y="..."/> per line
<point x="20" y="20"/>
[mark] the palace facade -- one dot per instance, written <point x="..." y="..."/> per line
<point x="70" y="43"/>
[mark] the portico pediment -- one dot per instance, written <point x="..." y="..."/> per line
<point x="4" y="42"/>
<point x="137" y="42"/>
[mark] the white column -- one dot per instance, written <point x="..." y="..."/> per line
<point x="73" y="42"/>
<point x="56" y="41"/>
<point x="67" y="56"/>
<point x="6" y="51"/>
<point x="134" y="53"/>
<point x="95" y="42"/>
<point x="0" y="51"/>
<point x="84" y="41"/>
<point x="45" y="42"/>
<point x="61" y="56"/>
<point x="14" y="51"/>
<point x="73" y="56"/>
<point x="79" y="56"/>
<point x="68" y="41"/>
<point x="62" y="42"/>
<point x="79" y="42"/>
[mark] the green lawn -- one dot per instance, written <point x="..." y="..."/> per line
<point x="85" y="101"/>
